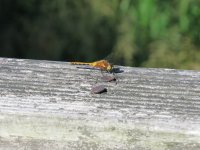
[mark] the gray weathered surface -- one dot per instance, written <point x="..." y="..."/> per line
<point x="46" y="104"/>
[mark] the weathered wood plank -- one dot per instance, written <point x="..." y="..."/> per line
<point x="46" y="104"/>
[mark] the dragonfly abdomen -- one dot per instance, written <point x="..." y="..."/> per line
<point x="80" y="63"/>
<point x="101" y="64"/>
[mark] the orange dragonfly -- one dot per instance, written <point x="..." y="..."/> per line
<point x="103" y="65"/>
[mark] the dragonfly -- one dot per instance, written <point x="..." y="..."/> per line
<point x="103" y="65"/>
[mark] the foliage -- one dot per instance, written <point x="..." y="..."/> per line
<point x="163" y="35"/>
<point x="148" y="33"/>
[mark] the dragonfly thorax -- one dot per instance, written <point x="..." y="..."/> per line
<point x="103" y="65"/>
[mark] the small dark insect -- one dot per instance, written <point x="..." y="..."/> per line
<point x="99" y="89"/>
<point x="108" y="78"/>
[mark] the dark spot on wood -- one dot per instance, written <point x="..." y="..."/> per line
<point x="108" y="78"/>
<point x="99" y="89"/>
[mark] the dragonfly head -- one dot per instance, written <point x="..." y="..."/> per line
<point x="110" y="68"/>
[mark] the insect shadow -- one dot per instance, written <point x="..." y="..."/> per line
<point x="117" y="70"/>
<point x="114" y="70"/>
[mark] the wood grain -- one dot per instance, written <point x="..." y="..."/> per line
<point x="49" y="105"/>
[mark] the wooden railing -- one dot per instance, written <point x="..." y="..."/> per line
<point x="49" y="105"/>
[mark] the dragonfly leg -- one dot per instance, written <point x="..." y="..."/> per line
<point x="97" y="77"/>
<point x="96" y="80"/>
<point x="115" y="76"/>
<point x="116" y="81"/>
<point x="102" y="73"/>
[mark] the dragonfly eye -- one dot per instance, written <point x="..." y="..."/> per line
<point x="110" y="67"/>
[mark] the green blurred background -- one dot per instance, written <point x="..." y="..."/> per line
<point x="145" y="33"/>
